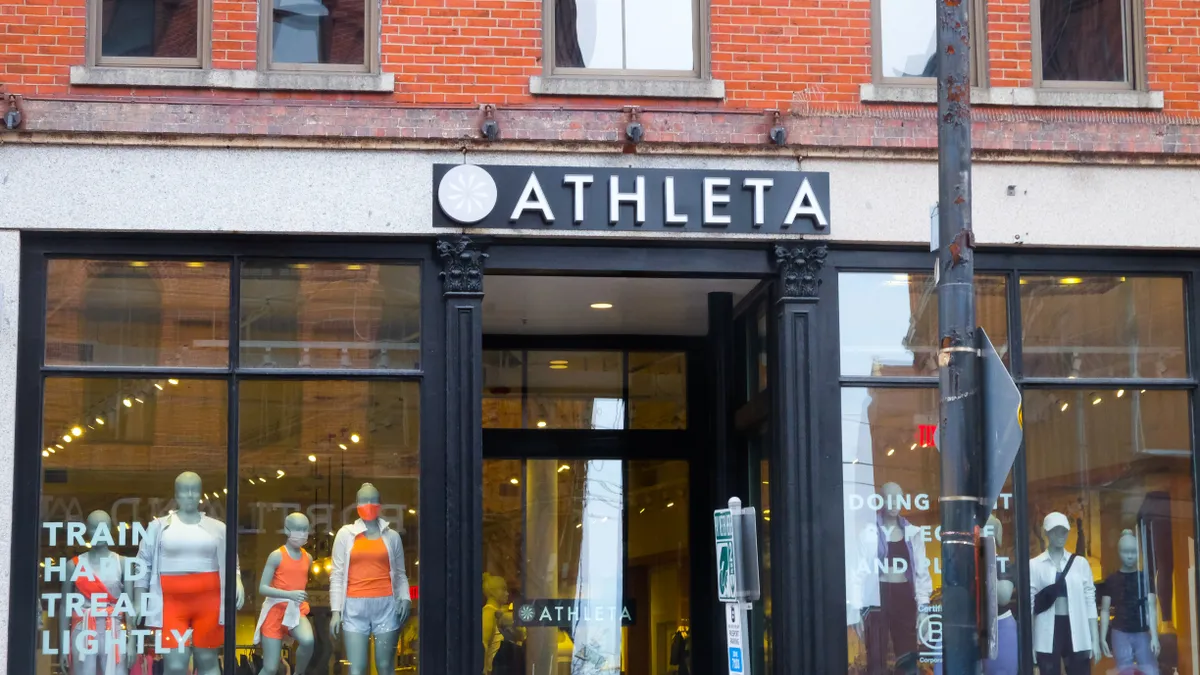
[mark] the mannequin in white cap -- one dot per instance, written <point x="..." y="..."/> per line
<point x="1064" y="605"/>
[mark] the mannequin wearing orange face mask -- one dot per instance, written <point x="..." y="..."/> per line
<point x="369" y="592"/>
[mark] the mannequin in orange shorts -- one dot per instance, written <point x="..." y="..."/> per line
<point x="184" y="555"/>
<point x="284" y="578"/>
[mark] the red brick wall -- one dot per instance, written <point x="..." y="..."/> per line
<point x="805" y="56"/>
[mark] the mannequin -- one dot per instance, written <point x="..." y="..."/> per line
<point x="102" y="574"/>
<point x="500" y="636"/>
<point x="892" y="582"/>
<point x="1065" y="632"/>
<point x="285" y="613"/>
<point x="184" y="555"/>
<point x="681" y="650"/>
<point x="368" y="586"/>
<point x="1135" y="615"/>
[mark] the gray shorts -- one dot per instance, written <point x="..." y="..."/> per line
<point x="370" y="616"/>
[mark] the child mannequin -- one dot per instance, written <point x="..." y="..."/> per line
<point x="284" y="578"/>
<point x="1135" y="624"/>
<point x="101" y="577"/>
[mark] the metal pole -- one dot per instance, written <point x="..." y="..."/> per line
<point x="958" y="356"/>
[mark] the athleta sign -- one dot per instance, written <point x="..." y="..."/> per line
<point x="563" y="198"/>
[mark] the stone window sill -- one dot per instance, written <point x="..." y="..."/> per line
<point x="195" y="78"/>
<point x="1019" y="97"/>
<point x="631" y="87"/>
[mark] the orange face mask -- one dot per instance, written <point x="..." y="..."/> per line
<point x="368" y="511"/>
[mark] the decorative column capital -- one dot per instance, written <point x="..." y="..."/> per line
<point x="462" y="265"/>
<point x="799" y="270"/>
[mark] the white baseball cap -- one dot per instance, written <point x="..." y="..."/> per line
<point x="1054" y="520"/>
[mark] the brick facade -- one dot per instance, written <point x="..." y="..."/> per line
<point x="806" y="58"/>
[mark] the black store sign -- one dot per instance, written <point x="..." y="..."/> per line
<point x="593" y="198"/>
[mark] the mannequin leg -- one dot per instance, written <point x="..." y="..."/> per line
<point x="175" y="661"/>
<point x="385" y="651"/>
<point x="271" y="651"/>
<point x="303" y="634"/>
<point x="358" y="648"/>
<point x="208" y="661"/>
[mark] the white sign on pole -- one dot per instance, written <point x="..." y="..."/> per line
<point x="735" y="638"/>
<point x="726" y="556"/>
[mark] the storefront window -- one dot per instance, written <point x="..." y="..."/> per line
<point x="586" y="567"/>
<point x="1103" y="326"/>
<point x="135" y="566"/>
<point x="889" y="322"/>
<point x="891" y="485"/>
<point x="657" y="390"/>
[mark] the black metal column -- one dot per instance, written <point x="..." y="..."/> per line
<point x="722" y="470"/>
<point x="462" y="291"/>
<point x="798" y="612"/>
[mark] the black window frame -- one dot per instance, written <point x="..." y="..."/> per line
<point x="32" y="373"/>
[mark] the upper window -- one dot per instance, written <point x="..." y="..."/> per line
<point x="1086" y="43"/>
<point x="148" y="32"/>
<point x="625" y="36"/>
<point x="317" y="34"/>
<point x="905" y="41"/>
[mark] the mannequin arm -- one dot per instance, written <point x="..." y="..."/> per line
<point x="1105" y="605"/>
<point x="1152" y="615"/>
<point x="265" y="588"/>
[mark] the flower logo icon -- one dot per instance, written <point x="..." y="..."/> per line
<point x="526" y="613"/>
<point x="467" y="194"/>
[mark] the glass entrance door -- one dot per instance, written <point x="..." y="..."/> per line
<point x="586" y="567"/>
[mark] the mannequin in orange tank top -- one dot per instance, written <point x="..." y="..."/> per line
<point x="285" y="613"/>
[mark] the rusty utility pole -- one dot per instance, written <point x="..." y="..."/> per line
<point x="959" y="364"/>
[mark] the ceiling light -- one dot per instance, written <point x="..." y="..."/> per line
<point x="579" y="526"/>
<point x="312" y="458"/>
<point x="643" y="510"/>
<point x="158" y="386"/>
<point x="76" y="432"/>
<point x="601" y="305"/>
<point x="172" y="381"/>
<point x="891" y="451"/>
<point x="559" y="362"/>
<point x="45" y="453"/>
<point x="299" y="266"/>
<point x="1120" y="393"/>
<point x="670" y="504"/>
<point x="1096" y="400"/>
<point x="59" y="446"/>
<point x="342" y="446"/>
<point x="195" y="265"/>
<point x="279" y="473"/>
<point x="262" y="480"/>
<point x="354" y="268"/>
<point x="100" y="421"/>
<point x="914" y="446"/>
<point x="1143" y="391"/>
<point x="514" y="481"/>
<point x="139" y="263"/>
<point x="564" y="467"/>
<point x="138" y="399"/>
<point x="558" y="367"/>
<point x="1070" y="281"/>
<point x="251" y="480"/>
<point x="1064" y="406"/>
<point x="354" y="438"/>
<point x="541" y="424"/>
<point x="67" y="438"/>
<point x="225" y="491"/>
<point x="412" y="512"/>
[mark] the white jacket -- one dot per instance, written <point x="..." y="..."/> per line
<point x="150" y="550"/>
<point x="344" y="542"/>
<point x="864" y="573"/>
<point x="1081" y="601"/>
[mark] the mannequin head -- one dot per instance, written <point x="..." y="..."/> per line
<point x="368" y="502"/>
<point x="1057" y="528"/>
<point x="96" y="520"/>
<point x="495" y="589"/>
<point x="297" y="529"/>
<point x="996" y="529"/>
<point x="892" y="498"/>
<point x="187" y="492"/>
<point x="1127" y="548"/>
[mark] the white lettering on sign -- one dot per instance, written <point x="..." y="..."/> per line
<point x="616" y="198"/>
<point x="577" y="182"/>
<point x="806" y="204"/>
<point x="712" y="198"/>
<point x="672" y="216"/>
<point x="759" y="186"/>
<point x="533" y="198"/>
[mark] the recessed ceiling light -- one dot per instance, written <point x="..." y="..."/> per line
<point x="1070" y="281"/>
<point x="559" y="362"/>
<point x="300" y="266"/>
<point x="514" y="481"/>
<point x="558" y="367"/>
<point x="354" y="438"/>
<point x="541" y="424"/>
<point x="139" y="263"/>
<point x="601" y="305"/>
<point x="312" y="458"/>
<point x="354" y="268"/>
<point x="195" y="265"/>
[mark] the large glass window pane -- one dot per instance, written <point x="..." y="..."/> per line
<point x="586" y="566"/>
<point x="137" y="313"/>
<point x="330" y="316"/>
<point x="657" y="390"/>
<point x="109" y="498"/>
<point x="908" y="39"/>
<point x="1103" y="326"/>
<point x="318" y="31"/>
<point x="1084" y="41"/>
<point x="149" y="28"/>
<point x="574" y="390"/>
<point x="891" y="483"/>
<point x="889" y="322"/>
<point x="306" y="449"/>
<point x="1118" y="465"/>
<point x="622" y="34"/>
<point x="503" y="388"/>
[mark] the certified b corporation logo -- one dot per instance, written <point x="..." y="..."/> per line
<point x="467" y="194"/>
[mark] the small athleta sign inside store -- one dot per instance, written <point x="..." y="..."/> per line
<point x="564" y="198"/>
